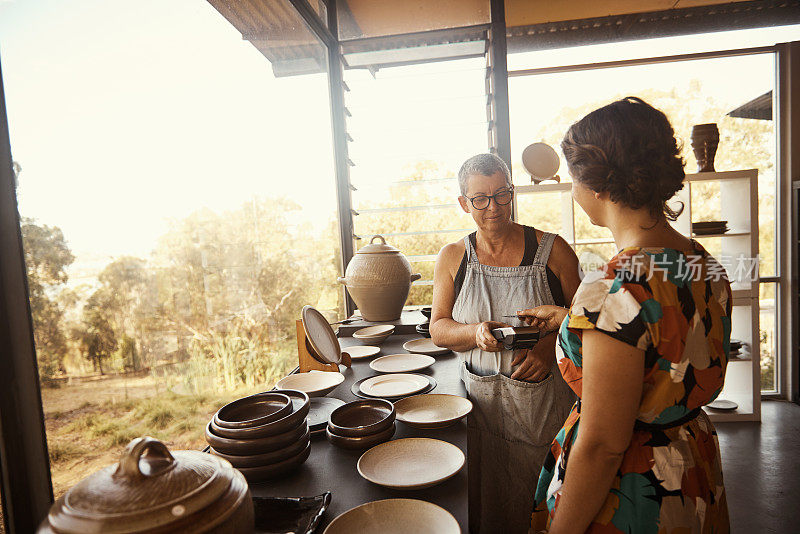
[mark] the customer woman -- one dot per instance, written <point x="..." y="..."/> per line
<point x="518" y="404"/>
<point x="644" y="346"/>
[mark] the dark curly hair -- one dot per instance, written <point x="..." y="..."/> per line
<point x="628" y="149"/>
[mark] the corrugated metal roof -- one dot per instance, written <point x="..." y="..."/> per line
<point x="758" y="108"/>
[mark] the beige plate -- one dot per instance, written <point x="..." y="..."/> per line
<point x="357" y="352"/>
<point x="411" y="463"/>
<point x="401" y="363"/>
<point x="432" y="411"/>
<point x="370" y="331"/>
<point x="424" y="346"/>
<point x="395" y="516"/>
<point x="313" y="383"/>
<point x="394" y="385"/>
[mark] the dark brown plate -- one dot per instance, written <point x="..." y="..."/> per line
<point x="253" y="411"/>
<point x="361" y="442"/>
<point x="279" y="515"/>
<point x="265" y="472"/>
<point x="257" y="460"/>
<point x="300" y="405"/>
<point x="362" y="418"/>
<point x="247" y="447"/>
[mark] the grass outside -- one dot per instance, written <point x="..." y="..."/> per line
<point x="89" y="424"/>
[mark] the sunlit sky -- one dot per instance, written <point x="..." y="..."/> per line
<point x="124" y="115"/>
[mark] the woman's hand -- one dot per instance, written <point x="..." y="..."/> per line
<point x="547" y="318"/>
<point x="484" y="338"/>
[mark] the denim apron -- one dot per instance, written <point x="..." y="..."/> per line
<point x="512" y="423"/>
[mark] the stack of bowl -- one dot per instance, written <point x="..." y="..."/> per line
<point x="705" y="140"/>
<point x="374" y="335"/>
<point x="424" y="329"/>
<point x="264" y="435"/>
<point x="361" y="424"/>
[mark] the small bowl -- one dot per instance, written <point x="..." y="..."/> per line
<point x="313" y="383"/>
<point x="248" y="447"/>
<point x="426" y="311"/>
<point x="361" y="442"/>
<point x="265" y="472"/>
<point x="254" y="411"/>
<point x="374" y="335"/>
<point x="258" y="460"/>
<point x="362" y="418"/>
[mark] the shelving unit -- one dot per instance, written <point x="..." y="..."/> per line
<point x="738" y="197"/>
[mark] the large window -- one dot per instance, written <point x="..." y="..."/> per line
<point x="543" y="106"/>
<point x="178" y="204"/>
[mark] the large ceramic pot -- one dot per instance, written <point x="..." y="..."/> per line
<point x="378" y="278"/>
<point x="152" y="490"/>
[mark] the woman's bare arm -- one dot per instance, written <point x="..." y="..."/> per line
<point x="445" y="331"/>
<point x="564" y="264"/>
<point x="612" y="390"/>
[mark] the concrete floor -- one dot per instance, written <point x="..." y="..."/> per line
<point x="761" y="466"/>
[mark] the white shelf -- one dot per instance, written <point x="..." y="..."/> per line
<point x="744" y="174"/>
<point x="543" y="188"/>
<point x="726" y="234"/>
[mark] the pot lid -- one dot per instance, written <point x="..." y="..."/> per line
<point x="377" y="248"/>
<point x="149" y="486"/>
<point x="321" y="336"/>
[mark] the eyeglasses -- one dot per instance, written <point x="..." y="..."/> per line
<point x="503" y="198"/>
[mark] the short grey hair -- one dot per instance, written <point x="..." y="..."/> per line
<point x="484" y="165"/>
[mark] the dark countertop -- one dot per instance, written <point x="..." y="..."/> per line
<point x="330" y="468"/>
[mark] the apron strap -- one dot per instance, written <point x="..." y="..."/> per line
<point x="543" y="252"/>
<point x="472" y="256"/>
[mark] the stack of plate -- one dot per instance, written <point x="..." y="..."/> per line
<point x="374" y="335"/>
<point x="264" y="435"/>
<point x="424" y="346"/>
<point x="424" y="329"/>
<point x="710" y="227"/>
<point x="361" y="424"/>
<point x="393" y="386"/>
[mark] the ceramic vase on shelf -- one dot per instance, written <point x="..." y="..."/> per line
<point x="705" y="140"/>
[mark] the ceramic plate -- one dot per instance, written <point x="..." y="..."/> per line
<point x="313" y="383"/>
<point x="411" y="463"/>
<point x="355" y="389"/>
<point x="321" y="336"/>
<point x="395" y="516"/>
<point x="424" y="346"/>
<point x="370" y="331"/>
<point x="320" y="412"/>
<point x="401" y="363"/>
<point x="357" y="352"/>
<point x="394" y="385"/>
<point x="723" y="404"/>
<point x="432" y="411"/>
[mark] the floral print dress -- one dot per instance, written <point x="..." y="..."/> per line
<point x="676" y="307"/>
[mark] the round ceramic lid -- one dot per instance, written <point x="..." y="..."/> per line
<point x="149" y="481"/>
<point x="321" y="336"/>
<point x="377" y="248"/>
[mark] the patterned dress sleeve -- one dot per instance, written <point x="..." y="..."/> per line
<point x="606" y="303"/>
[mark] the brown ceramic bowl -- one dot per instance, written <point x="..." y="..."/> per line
<point x="361" y="442"/>
<point x="258" y="460"/>
<point x="248" y="447"/>
<point x="300" y="402"/>
<point x="362" y="418"/>
<point x="253" y="411"/>
<point x="265" y="472"/>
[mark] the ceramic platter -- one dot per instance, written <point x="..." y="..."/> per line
<point x="394" y="385"/>
<point x="424" y="346"/>
<point x="401" y="363"/>
<point x="432" y="411"/>
<point x="321" y="336"/>
<point x="723" y="404"/>
<point x="395" y="516"/>
<point x="411" y="463"/>
<point x="357" y="352"/>
<point x="356" y="389"/>
<point x="313" y="383"/>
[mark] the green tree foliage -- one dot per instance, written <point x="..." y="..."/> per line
<point x="47" y="257"/>
<point x="97" y="337"/>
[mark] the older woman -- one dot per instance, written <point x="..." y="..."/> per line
<point x="644" y="345"/>
<point x="518" y="403"/>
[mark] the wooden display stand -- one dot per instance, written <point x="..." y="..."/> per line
<point x="305" y="354"/>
